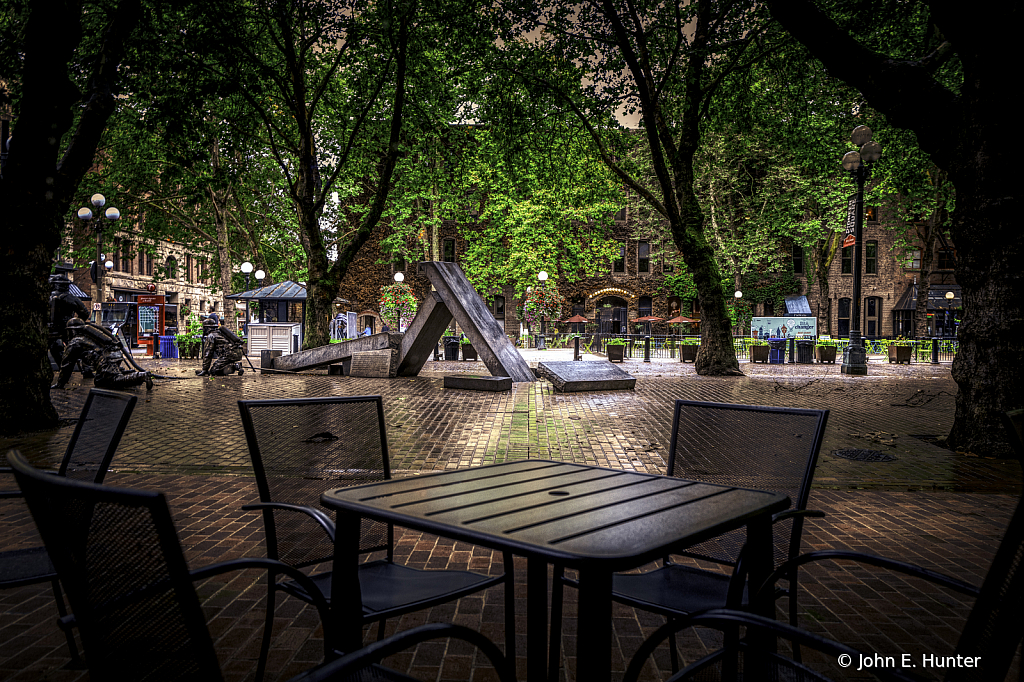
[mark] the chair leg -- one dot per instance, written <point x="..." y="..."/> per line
<point x="380" y="628"/>
<point x="510" y="609"/>
<point x="555" y="642"/>
<point x="673" y="651"/>
<point x="268" y="627"/>
<point x="62" y="609"/>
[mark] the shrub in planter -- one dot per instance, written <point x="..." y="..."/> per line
<point x="688" y="350"/>
<point x="615" y="349"/>
<point x="759" y="351"/>
<point x="468" y="352"/>
<point x="825" y="351"/>
<point x="899" y="353"/>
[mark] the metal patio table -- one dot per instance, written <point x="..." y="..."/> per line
<point x="595" y="520"/>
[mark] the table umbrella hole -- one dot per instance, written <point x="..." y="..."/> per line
<point x="558" y="492"/>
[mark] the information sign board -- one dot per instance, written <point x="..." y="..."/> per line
<point x="784" y="327"/>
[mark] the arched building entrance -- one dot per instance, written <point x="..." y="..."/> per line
<point x="611" y="313"/>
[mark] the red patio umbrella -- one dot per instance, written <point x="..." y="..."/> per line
<point x="576" y="318"/>
<point x="647" y="319"/>
<point x="681" y="320"/>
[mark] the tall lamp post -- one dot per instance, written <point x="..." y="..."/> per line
<point x="101" y="264"/>
<point x="246" y="269"/>
<point x="259" y="275"/>
<point x="859" y="166"/>
<point x="542" y="277"/>
<point x="949" y="312"/>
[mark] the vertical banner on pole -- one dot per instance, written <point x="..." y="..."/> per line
<point x="852" y="207"/>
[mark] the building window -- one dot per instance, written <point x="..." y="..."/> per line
<point x="675" y="306"/>
<point x="798" y="259"/>
<point x="769" y="308"/>
<point x="947" y="259"/>
<point x="619" y="264"/>
<point x="668" y="261"/>
<point x="871" y="258"/>
<point x="873" y="313"/>
<point x="499" y="307"/>
<point x="643" y="257"/>
<point x="116" y="256"/>
<point x="188" y="267"/>
<point x="847" y="260"/>
<point x="448" y="251"/>
<point x="644" y="306"/>
<point x="142" y="262"/>
<point x="620" y="215"/>
<point x="844" y="317"/>
<point x="172" y="268"/>
<point x="913" y="261"/>
<point x="871" y="214"/>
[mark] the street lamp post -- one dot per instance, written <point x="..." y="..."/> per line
<point x="542" y="277"/>
<point x="246" y="268"/>
<point x="100" y="264"/>
<point x="949" y="312"/>
<point x="859" y="166"/>
<point x="259" y="275"/>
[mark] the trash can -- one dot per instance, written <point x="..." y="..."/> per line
<point x="804" y="351"/>
<point x="168" y="349"/>
<point x="451" y="348"/>
<point x="776" y="351"/>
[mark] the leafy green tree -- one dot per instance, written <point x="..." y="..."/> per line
<point x="937" y="71"/>
<point x="662" y="63"/>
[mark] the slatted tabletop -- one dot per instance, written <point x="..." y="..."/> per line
<point x="565" y="512"/>
<point x="595" y="520"/>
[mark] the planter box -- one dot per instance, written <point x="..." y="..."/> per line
<point x="688" y="353"/>
<point x="899" y="354"/>
<point x="825" y="354"/>
<point x="468" y="352"/>
<point x="759" y="354"/>
<point x="615" y="352"/>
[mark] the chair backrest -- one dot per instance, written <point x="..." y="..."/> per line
<point x="303" y="447"/>
<point x="118" y="557"/>
<point x="768" y="448"/>
<point x="994" y="627"/>
<point x="97" y="435"/>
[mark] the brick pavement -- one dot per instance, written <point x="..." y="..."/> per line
<point x="929" y="505"/>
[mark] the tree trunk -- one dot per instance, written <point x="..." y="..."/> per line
<point x="36" y="191"/>
<point x="823" y="253"/>
<point x="219" y="199"/>
<point x="927" y="237"/>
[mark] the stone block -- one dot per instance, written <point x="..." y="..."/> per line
<point x="267" y="360"/>
<point x="476" y="382"/>
<point x="571" y="376"/>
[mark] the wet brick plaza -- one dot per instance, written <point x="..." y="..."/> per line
<point x="917" y="501"/>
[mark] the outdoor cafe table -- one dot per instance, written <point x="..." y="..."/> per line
<point x="595" y="520"/>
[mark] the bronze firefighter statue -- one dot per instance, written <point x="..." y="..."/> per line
<point x="95" y="348"/>
<point x="63" y="306"/>
<point x="222" y="349"/>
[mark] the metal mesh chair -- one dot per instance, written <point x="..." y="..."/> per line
<point x="93" y="443"/>
<point x="118" y="556"/>
<point x="991" y="634"/>
<point x="768" y="448"/>
<point x="304" y="447"/>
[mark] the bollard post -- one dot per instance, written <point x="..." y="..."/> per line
<point x="647" y="349"/>
<point x="935" y="351"/>
<point x="576" y="349"/>
<point x="792" y="342"/>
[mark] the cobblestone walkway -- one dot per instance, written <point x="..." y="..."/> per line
<point x="926" y="504"/>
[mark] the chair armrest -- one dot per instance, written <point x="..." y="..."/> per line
<point x="873" y="560"/>
<point x="373" y="653"/>
<point x="317" y="515"/>
<point x="274" y="566"/>
<point x="757" y="627"/>
<point x="794" y="513"/>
